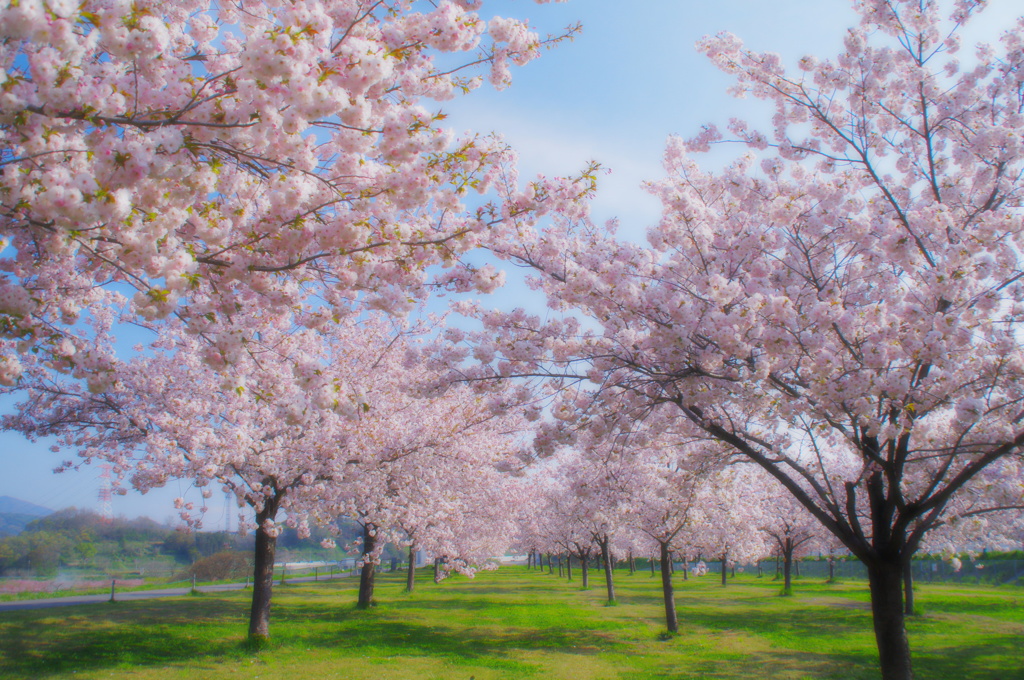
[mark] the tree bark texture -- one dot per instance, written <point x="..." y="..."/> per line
<point x="263" y="572"/>
<point x="410" y="577"/>
<point x="671" y="620"/>
<point x="367" y="573"/>
<point x="787" y="566"/>
<point x="606" y="558"/>
<point x="886" y="582"/>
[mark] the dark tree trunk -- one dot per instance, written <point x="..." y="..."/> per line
<point x="606" y="558"/>
<point x="686" y="569"/>
<point x="367" y="573"/>
<point x="632" y="564"/>
<point x="886" y="582"/>
<point x="787" y="567"/>
<point x="551" y="569"/>
<point x="725" y="561"/>
<point x="831" y="569"/>
<point x="585" y="570"/>
<point x="759" y="569"/>
<point x="263" y="572"/>
<point x="410" y="577"/>
<point x="908" y="588"/>
<point x="671" y="620"/>
<point x="568" y="565"/>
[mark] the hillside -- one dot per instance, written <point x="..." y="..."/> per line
<point x="16" y="513"/>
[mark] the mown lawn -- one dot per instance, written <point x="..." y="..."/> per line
<point x="518" y="624"/>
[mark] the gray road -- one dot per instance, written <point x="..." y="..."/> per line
<point x="129" y="595"/>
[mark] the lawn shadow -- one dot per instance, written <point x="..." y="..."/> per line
<point x="42" y="643"/>
<point x="998" y="656"/>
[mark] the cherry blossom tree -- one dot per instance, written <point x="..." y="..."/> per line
<point x="433" y="469"/>
<point x="658" y="475"/>
<point x="270" y="438"/>
<point x="789" y="527"/>
<point x="197" y="157"/>
<point x="728" y="509"/>
<point x="840" y="305"/>
<point x="305" y="423"/>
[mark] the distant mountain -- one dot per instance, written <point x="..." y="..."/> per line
<point x="17" y="506"/>
<point x="16" y="513"/>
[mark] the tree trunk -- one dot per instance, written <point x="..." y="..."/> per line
<point x="263" y="573"/>
<point x="367" y="573"/>
<point x="410" y="577"/>
<point x="725" y="561"/>
<point x="568" y="565"/>
<point x="787" y="568"/>
<point x="585" y="570"/>
<point x="671" y="620"/>
<point x="886" y="582"/>
<point x="831" y="569"/>
<point x="606" y="558"/>
<point x="759" y="574"/>
<point x="686" y="569"/>
<point x="908" y="588"/>
<point x="632" y="564"/>
<point x="559" y="565"/>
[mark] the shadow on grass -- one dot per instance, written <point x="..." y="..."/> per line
<point x="40" y="644"/>
<point x="836" y="636"/>
<point x="986" y="660"/>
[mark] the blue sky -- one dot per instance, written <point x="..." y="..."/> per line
<point x="613" y="95"/>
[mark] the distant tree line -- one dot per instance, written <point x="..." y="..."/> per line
<point x="81" y="538"/>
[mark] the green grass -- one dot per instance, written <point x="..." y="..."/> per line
<point x="518" y="624"/>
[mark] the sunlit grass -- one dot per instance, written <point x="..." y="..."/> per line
<point x="518" y="624"/>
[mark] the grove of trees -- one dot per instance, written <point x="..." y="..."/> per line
<point x="818" y="344"/>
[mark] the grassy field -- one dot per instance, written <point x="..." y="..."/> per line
<point x="518" y="624"/>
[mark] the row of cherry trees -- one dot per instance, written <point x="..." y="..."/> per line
<point x="838" y="307"/>
<point x="658" y="493"/>
<point x="307" y="425"/>
<point x="247" y="183"/>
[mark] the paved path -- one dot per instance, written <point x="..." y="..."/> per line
<point x="129" y="595"/>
